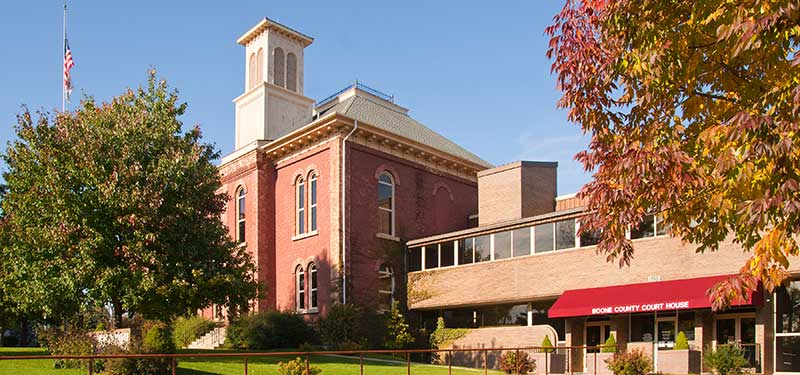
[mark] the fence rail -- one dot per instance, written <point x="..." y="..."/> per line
<point x="549" y="360"/>
<point x="486" y="358"/>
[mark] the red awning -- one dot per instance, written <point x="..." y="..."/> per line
<point x="645" y="297"/>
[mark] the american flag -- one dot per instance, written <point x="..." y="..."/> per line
<point x="68" y="64"/>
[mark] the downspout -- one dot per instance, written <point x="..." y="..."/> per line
<point x="344" y="212"/>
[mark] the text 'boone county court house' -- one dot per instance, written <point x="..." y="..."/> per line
<point x="350" y="200"/>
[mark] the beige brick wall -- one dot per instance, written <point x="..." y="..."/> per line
<point x="516" y="190"/>
<point x="547" y="275"/>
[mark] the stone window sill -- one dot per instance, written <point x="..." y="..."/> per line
<point x="308" y="311"/>
<point x="305" y="235"/>
<point x="387" y="237"/>
<point x="242" y="244"/>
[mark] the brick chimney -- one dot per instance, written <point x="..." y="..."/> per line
<point x="516" y="190"/>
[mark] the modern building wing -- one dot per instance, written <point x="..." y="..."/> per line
<point x="527" y="270"/>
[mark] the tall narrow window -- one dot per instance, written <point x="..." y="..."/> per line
<point x="301" y="206"/>
<point x="259" y="67"/>
<point x="240" y="210"/>
<point x="300" y="288"/>
<point x="291" y="72"/>
<point x="312" y="202"/>
<point x="386" y="287"/>
<point x="386" y="204"/>
<point x="278" y="75"/>
<point x="312" y="291"/>
<point x="251" y="71"/>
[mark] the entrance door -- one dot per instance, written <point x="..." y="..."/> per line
<point x="665" y="333"/>
<point x="596" y="334"/>
<point x="738" y="330"/>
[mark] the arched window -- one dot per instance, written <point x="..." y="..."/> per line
<point x="386" y="204"/>
<point x="259" y="67"/>
<point x="240" y="211"/>
<point x="300" y="199"/>
<point x="291" y="72"/>
<point x="386" y="287"/>
<point x="312" y="201"/>
<point x="312" y="290"/>
<point x="251" y="71"/>
<point x="300" y="288"/>
<point x="278" y="75"/>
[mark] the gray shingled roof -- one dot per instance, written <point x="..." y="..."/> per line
<point x="372" y="112"/>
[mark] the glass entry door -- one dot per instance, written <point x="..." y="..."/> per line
<point x="596" y="334"/>
<point x="738" y="330"/>
<point x="665" y="333"/>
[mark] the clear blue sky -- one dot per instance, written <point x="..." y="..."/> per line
<point x="475" y="73"/>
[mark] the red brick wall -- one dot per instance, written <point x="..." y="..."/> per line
<point x="427" y="203"/>
<point x="423" y="207"/>
<point x="313" y="248"/>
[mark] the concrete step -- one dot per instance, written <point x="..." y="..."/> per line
<point x="211" y="340"/>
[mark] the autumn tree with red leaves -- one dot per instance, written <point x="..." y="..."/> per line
<point x="693" y="112"/>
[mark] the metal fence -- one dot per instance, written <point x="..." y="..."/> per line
<point x="548" y="360"/>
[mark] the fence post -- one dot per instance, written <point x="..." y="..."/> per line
<point x="569" y="360"/>
<point x="485" y="362"/>
<point x="308" y="365"/>
<point x="516" y="362"/>
<point x="595" y="362"/>
<point x="546" y="361"/>
<point x="361" y="362"/>
<point x="245" y="365"/>
<point x="449" y="362"/>
<point x="175" y="366"/>
<point x="408" y="363"/>
<point x="91" y="366"/>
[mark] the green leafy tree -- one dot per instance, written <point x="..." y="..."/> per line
<point x="547" y="346"/>
<point x="610" y="346"/>
<point x="398" y="336"/>
<point x="114" y="204"/>
<point x="693" y="112"/>
<point x="681" y="343"/>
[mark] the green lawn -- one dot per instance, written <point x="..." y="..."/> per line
<point x="330" y="365"/>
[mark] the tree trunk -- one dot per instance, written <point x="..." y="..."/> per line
<point x="117" y="318"/>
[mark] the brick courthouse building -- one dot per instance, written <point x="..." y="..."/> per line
<point x="323" y="193"/>
<point x="349" y="199"/>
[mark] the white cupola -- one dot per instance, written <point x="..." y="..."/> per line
<point x="273" y="103"/>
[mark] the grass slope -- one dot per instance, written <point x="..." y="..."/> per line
<point x="330" y="365"/>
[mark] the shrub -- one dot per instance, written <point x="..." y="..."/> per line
<point x="681" y="343"/>
<point x="634" y="362"/>
<point x="297" y="367"/>
<point x="511" y="365"/>
<point x="547" y="346"/>
<point x="67" y="342"/>
<point x="610" y="346"/>
<point x="726" y="360"/>
<point x="157" y="340"/>
<point x="269" y="330"/>
<point x="186" y="330"/>
<point x="398" y="336"/>
<point x="442" y="337"/>
<point x="341" y="325"/>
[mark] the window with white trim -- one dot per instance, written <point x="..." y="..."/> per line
<point x="300" y="199"/>
<point x="300" y="288"/>
<point x="787" y="327"/>
<point x="386" y="204"/>
<point x="312" y="201"/>
<point x="312" y="290"/>
<point x="386" y="287"/>
<point x="240" y="214"/>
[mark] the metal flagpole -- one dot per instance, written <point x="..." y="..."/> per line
<point x="63" y="56"/>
